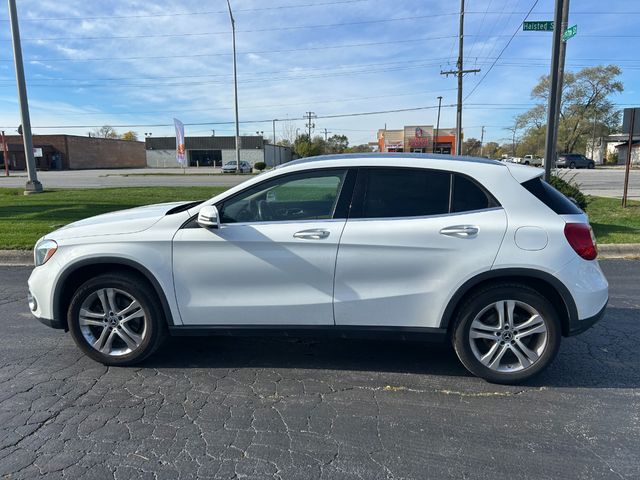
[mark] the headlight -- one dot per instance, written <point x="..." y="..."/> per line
<point x="44" y="251"/>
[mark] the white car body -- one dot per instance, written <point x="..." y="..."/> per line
<point x="379" y="273"/>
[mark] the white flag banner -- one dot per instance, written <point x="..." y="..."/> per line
<point x="180" y="148"/>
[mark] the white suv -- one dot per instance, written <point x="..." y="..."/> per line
<point x="483" y="254"/>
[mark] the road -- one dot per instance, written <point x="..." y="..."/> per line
<point x="602" y="182"/>
<point x="332" y="409"/>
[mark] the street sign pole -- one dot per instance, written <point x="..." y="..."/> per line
<point x="563" y="54"/>
<point x="628" y="164"/>
<point x="33" y="185"/>
<point x="552" y="116"/>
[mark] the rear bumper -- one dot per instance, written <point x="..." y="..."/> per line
<point x="578" y="326"/>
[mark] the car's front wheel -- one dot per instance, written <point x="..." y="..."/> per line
<point x="116" y="319"/>
<point x="506" y="333"/>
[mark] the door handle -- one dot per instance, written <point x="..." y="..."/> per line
<point x="313" y="234"/>
<point x="461" y="231"/>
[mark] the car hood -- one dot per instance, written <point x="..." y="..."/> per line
<point x="131" y="220"/>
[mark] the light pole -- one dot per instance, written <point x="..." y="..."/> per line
<point x="274" y="129"/>
<point x="235" y="87"/>
<point x="33" y="185"/>
<point x="435" y="139"/>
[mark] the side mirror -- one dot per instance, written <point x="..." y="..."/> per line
<point x="208" y="217"/>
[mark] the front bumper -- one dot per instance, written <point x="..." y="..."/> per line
<point x="52" y="323"/>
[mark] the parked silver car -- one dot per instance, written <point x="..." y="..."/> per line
<point x="231" y="167"/>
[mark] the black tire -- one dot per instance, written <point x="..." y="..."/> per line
<point x="501" y="292"/>
<point x="527" y="162"/>
<point x="154" y="330"/>
<point x="572" y="165"/>
<point x="591" y="165"/>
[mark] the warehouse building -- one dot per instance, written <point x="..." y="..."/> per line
<point x="73" y="152"/>
<point x="214" y="151"/>
<point x="418" y="139"/>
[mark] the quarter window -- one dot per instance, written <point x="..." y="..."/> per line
<point x="468" y="196"/>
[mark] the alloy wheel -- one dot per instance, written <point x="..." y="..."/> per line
<point x="508" y="336"/>
<point x="112" y="322"/>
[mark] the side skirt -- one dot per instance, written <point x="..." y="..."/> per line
<point x="422" y="334"/>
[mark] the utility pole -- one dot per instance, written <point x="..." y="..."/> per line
<point x="481" y="140"/>
<point x="435" y="138"/>
<point x="235" y="87"/>
<point x="33" y="185"/>
<point x="213" y="132"/>
<point x="310" y="125"/>
<point x="552" y="113"/>
<point x="5" y="155"/>
<point x="326" y="132"/>
<point x="459" y="71"/>
<point x="274" y="130"/>
<point x="563" y="54"/>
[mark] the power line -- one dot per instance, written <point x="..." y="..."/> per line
<point x="258" y="52"/>
<point x="502" y="51"/>
<point x="270" y="29"/>
<point x="178" y="14"/>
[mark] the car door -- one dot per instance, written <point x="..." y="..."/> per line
<point x="272" y="261"/>
<point x="413" y="237"/>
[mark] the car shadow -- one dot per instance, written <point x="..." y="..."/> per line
<point x="606" y="356"/>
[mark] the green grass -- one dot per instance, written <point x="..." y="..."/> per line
<point x="24" y="219"/>
<point x="613" y="224"/>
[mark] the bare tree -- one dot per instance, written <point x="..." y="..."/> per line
<point x="106" y="131"/>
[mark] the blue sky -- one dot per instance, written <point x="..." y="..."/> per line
<point x="137" y="62"/>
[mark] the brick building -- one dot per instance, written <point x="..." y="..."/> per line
<point x="73" y="152"/>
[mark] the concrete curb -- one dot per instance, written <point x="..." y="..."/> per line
<point x="606" y="251"/>
<point x="16" y="258"/>
<point x="619" y="250"/>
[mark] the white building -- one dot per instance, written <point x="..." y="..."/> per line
<point x="613" y="146"/>
<point x="214" y="151"/>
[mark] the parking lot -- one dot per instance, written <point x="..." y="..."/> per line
<point x="600" y="182"/>
<point x="316" y="408"/>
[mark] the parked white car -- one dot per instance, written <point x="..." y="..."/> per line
<point x="477" y="252"/>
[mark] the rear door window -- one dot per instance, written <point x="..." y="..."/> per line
<point x="413" y="192"/>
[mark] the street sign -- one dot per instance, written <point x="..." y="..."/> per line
<point x="543" y="26"/>
<point x="627" y="122"/>
<point x="569" y="32"/>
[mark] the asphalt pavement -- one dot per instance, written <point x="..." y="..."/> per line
<point x="602" y="182"/>
<point x="286" y="408"/>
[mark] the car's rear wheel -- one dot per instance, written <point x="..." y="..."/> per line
<point x="116" y="319"/>
<point x="506" y="333"/>
<point x="591" y="165"/>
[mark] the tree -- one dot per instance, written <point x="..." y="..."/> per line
<point x="105" y="131"/>
<point x="337" y="144"/>
<point x="471" y="147"/>
<point x="306" y="147"/>
<point x="490" y="150"/>
<point x="364" y="148"/>
<point x="586" y="108"/>
<point x="130" y="136"/>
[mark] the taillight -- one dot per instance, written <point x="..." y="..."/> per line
<point x="580" y="237"/>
